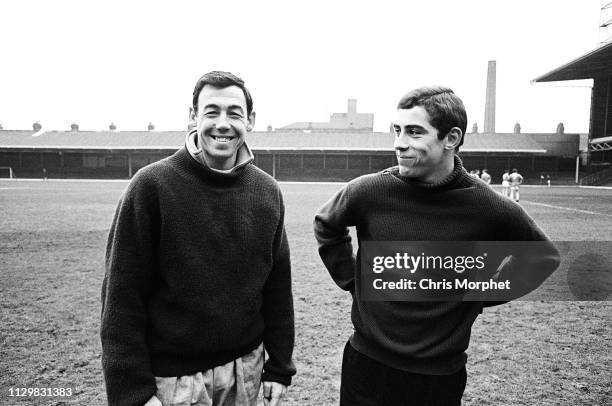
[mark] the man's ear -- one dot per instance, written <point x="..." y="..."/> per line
<point x="192" y="118"/>
<point x="453" y="138"/>
<point x="251" y="121"/>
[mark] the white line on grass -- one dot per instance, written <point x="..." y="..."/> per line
<point x="567" y="208"/>
<point x="596" y="187"/>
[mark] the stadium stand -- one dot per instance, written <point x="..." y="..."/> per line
<point x="287" y="155"/>
<point x="596" y="65"/>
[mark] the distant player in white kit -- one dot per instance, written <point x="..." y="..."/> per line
<point x="485" y="177"/>
<point x="506" y="184"/>
<point x="515" y="180"/>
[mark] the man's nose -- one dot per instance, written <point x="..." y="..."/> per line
<point x="222" y="122"/>
<point x="401" y="142"/>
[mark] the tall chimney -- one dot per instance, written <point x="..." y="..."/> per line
<point x="489" y="118"/>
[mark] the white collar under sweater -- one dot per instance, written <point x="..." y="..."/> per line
<point x="243" y="157"/>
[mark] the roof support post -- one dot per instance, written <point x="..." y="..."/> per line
<point x="577" y="167"/>
<point x="273" y="165"/>
<point x="607" y="112"/>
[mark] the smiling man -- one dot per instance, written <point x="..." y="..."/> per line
<point x="413" y="353"/>
<point x="198" y="279"/>
<point x="222" y="116"/>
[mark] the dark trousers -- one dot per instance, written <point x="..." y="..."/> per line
<point x="366" y="382"/>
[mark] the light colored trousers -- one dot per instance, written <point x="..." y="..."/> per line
<point x="233" y="384"/>
<point x="514" y="193"/>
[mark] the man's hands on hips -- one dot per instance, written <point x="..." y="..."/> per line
<point x="273" y="393"/>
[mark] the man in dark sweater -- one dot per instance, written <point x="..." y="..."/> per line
<point x="198" y="278"/>
<point x="413" y="353"/>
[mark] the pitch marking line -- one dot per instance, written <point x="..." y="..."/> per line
<point x="567" y="208"/>
<point x="596" y="187"/>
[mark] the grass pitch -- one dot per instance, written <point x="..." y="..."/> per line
<point x="52" y="244"/>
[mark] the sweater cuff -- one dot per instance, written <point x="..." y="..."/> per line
<point x="282" y="379"/>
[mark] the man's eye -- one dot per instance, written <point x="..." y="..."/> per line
<point x="396" y="130"/>
<point x="210" y="114"/>
<point x="235" y="115"/>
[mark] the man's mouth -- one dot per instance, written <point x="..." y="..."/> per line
<point x="221" y="139"/>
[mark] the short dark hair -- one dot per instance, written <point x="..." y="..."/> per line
<point x="444" y="107"/>
<point x="221" y="80"/>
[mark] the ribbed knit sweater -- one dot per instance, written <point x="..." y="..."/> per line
<point x="197" y="275"/>
<point x="420" y="337"/>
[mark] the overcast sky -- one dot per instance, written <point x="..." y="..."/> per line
<point x="131" y="63"/>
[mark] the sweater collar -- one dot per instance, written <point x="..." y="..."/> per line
<point x="451" y="181"/>
<point x="243" y="157"/>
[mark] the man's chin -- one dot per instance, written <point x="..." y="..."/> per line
<point x="221" y="154"/>
<point x="408" y="172"/>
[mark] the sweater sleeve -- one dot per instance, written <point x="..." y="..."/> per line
<point x="535" y="257"/>
<point x="279" y="330"/>
<point x="331" y="231"/>
<point x="130" y="262"/>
